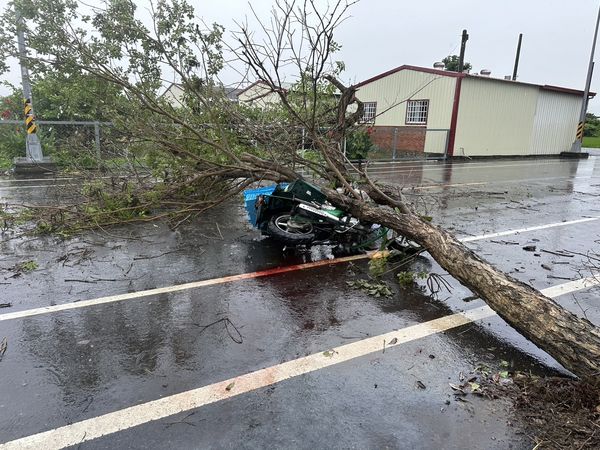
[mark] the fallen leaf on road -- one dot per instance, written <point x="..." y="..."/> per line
<point x="230" y="386"/>
<point x="393" y="341"/>
<point x="474" y="387"/>
<point x="420" y="385"/>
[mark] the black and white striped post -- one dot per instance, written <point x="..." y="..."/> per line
<point x="34" y="148"/>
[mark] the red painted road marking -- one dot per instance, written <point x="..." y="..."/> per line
<point x="179" y="287"/>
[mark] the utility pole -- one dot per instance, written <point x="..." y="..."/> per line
<point x="514" y="77"/>
<point x="463" y="44"/>
<point x="576" y="147"/>
<point x="34" y="148"/>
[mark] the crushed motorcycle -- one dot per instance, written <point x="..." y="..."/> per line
<point x="298" y="214"/>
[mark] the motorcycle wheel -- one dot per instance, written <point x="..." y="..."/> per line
<point x="279" y="228"/>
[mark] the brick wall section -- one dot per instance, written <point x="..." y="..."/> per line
<point x="408" y="140"/>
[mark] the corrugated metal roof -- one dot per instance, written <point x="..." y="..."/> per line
<point x="448" y="73"/>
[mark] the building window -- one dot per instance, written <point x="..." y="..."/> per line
<point x="416" y="112"/>
<point x="369" y="112"/>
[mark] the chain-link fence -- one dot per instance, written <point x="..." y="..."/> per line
<point x="398" y="143"/>
<point x="75" y="143"/>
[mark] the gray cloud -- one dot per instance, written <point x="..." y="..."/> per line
<point x="382" y="34"/>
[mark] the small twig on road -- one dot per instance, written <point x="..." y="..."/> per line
<point x="582" y="310"/>
<point x="137" y="258"/>
<point x="184" y="421"/>
<point x="82" y="439"/>
<point x="567" y="255"/>
<point x="174" y="227"/>
<point x="3" y="347"/>
<point x="91" y="400"/>
<point x="73" y="280"/>
<point x="219" y="230"/>
<point x="587" y="255"/>
<point x="107" y="279"/>
<point x="237" y="337"/>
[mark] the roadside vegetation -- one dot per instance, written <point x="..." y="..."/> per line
<point x="591" y="131"/>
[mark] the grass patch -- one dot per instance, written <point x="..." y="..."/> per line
<point x="591" y="141"/>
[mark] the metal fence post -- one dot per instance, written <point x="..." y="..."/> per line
<point x="394" y="143"/>
<point x="97" y="139"/>
<point x="446" y="144"/>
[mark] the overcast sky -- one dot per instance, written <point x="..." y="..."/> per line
<point x="382" y="34"/>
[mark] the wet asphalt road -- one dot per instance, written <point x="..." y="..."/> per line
<point x="64" y="367"/>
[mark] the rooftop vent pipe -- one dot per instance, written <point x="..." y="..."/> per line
<point x="439" y="65"/>
<point x="485" y="72"/>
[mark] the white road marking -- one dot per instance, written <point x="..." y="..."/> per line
<point x="40" y="186"/>
<point x="515" y="180"/>
<point x="433" y="186"/>
<point x="28" y="180"/>
<point x="525" y="230"/>
<point x="175" y="288"/>
<point x="481" y="165"/>
<point x="247" y="276"/>
<point x="133" y="416"/>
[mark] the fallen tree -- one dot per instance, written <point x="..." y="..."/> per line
<point x="207" y="149"/>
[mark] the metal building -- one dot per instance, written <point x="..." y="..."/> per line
<point x="417" y="110"/>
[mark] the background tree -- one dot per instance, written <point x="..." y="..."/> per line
<point x="213" y="154"/>
<point x="58" y="96"/>
<point x="592" y="125"/>
<point x="451" y="63"/>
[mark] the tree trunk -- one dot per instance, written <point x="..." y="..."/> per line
<point x="571" y="340"/>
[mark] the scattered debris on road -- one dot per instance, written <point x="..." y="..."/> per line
<point x="3" y="347"/>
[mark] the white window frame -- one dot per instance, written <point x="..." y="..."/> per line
<point x="417" y="112"/>
<point x="369" y="112"/>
